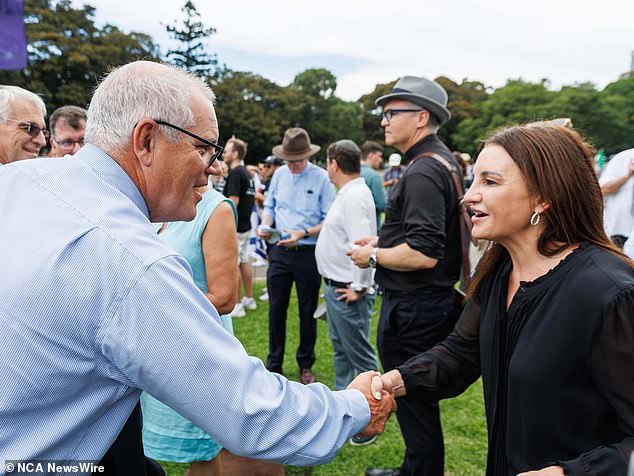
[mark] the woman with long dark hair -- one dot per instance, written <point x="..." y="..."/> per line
<point x="549" y="320"/>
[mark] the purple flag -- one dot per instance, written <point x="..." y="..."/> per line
<point x="12" y="36"/>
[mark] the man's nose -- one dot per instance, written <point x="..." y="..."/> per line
<point x="39" y="139"/>
<point x="214" y="168"/>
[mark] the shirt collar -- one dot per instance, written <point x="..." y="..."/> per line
<point x="110" y="171"/>
<point x="351" y="184"/>
<point x="417" y="148"/>
<point x="303" y="172"/>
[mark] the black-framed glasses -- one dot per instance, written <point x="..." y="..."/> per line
<point x="31" y="129"/>
<point x="389" y="113"/>
<point x="217" y="148"/>
<point x="69" y="143"/>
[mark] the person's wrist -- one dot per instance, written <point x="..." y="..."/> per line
<point x="306" y="233"/>
<point x="394" y="383"/>
<point x="373" y="260"/>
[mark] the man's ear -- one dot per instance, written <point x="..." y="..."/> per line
<point x="143" y="141"/>
<point x="423" y="118"/>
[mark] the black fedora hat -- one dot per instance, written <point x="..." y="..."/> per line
<point x="422" y="91"/>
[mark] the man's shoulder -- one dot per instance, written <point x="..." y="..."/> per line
<point x="360" y="190"/>
<point x="314" y="169"/>
<point x="621" y="159"/>
<point x="367" y="171"/>
<point x="239" y="171"/>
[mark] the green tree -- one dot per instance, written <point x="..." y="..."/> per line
<point x="256" y="110"/>
<point x="617" y="102"/>
<point x="317" y="83"/>
<point x="191" y="34"/>
<point x="464" y="102"/>
<point x="325" y="116"/>
<point x="68" y="53"/>
<point x="517" y="102"/>
<point x="345" y="120"/>
<point x="371" y="122"/>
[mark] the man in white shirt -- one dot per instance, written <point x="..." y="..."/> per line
<point x="617" y="186"/>
<point x="348" y="289"/>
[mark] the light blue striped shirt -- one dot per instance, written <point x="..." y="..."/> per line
<point x="95" y="308"/>
<point x="299" y="201"/>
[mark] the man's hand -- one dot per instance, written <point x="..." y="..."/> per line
<point x="371" y="240"/>
<point x="263" y="232"/>
<point x="361" y="256"/>
<point x="349" y="295"/>
<point x="381" y="404"/>
<point x="293" y="239"/>
<point x="549" y="471"/>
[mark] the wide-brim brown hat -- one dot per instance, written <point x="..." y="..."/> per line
<point x="422" y="91"/>
<point x="295" y="145"/>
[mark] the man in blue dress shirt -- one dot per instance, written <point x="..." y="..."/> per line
<point x="298" y="200"/>
<point x="95" y="308"/>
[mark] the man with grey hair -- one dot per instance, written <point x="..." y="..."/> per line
<point x="116" y="310"/>
<point x="417" y="258"/>
<point x="68" y="126"/>
<point x="22" y="128"/>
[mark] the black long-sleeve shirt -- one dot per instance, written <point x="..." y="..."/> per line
<point x="423" y="212"/>
<point x="557" y="366"/>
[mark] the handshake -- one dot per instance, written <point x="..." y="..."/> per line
<point x="379" y="390"/>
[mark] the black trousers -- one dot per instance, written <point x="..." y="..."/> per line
<point x="125" y="457"/>
<point x="285" y="267"/>
<point x="411" y="323"/>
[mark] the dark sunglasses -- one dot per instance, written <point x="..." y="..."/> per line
<point x="217" y="148"/>
<point x="31" y="129"/>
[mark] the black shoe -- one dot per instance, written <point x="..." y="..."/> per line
<point x="382" y="472"/>
<point x="306" y="376"/>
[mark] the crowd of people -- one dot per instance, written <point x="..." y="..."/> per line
<point x="118" y="345"/>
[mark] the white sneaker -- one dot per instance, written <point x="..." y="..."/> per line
<point x="264" y="297"/>
<point x="238" y="311"/>
<point x="249" y="303"/>
<point x="320" y="312"/>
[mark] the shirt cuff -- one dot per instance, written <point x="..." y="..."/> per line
<point x="355" y="286"/>
<point x="573" y="467"/>
<point x="359" y="409"/>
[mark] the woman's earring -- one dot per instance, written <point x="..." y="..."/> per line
<point x="535" y="218"/>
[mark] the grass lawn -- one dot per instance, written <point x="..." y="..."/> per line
<point x="463" y="417"/>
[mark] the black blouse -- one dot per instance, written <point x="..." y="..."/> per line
<point x="557" y="367"/>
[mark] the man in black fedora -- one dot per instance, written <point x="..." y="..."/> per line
<point x="299" y="197"/>
<point x="417" y="258"/>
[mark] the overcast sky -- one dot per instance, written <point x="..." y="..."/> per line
<point x="365" y="42"/>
